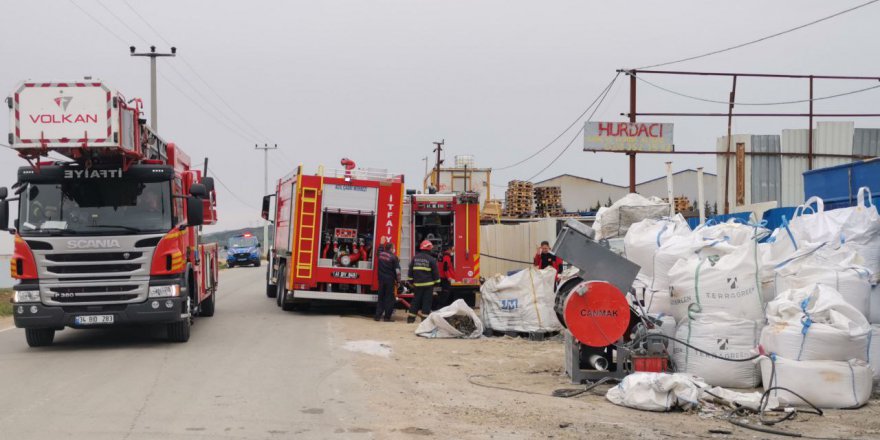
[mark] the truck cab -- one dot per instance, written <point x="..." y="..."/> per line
<point x="110" y="235"/>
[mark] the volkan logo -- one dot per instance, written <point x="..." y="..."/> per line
<point x="732" y="282"/>
<point x="63" y="102"/>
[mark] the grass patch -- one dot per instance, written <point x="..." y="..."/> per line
<point x="5" y="302"/>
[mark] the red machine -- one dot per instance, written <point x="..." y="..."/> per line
<point x="448" y="221"/>
<point x="111" y="236"/>
<point x="327" y="231"/>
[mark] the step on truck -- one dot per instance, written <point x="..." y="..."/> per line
<point x="110" y="235"/>
<point x="328" y="229"/>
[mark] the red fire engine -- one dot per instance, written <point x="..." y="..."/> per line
<point x="328" y="227"/>
<point x="448" y="221"/>
<point x="110" y="236"/>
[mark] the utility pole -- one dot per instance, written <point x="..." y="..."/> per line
<point x="266" y="149"/>
<point x="154" y="112"/>
<point x="438" y="148"/>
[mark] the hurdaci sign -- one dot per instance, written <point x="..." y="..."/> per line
<point x="628" y="136"/>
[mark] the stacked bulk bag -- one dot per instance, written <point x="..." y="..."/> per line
<point x="858" y="225"/>
<point x="826" y="384"/>
<point x="826" y="265"/>
<point x="874" y="315"/>
<point x="615" y="220"/>
<point x="815" y="323"/>
<point x="874" y="353"/>
<point x="522" y="302"/>
<point x="726" y="283"/>
<point x="723" y="335"/>
<point x="644" y="238"/>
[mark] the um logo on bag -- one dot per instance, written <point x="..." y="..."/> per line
<point x="722" y="344"/>
<point x="509" y="304"/>
<point x="732" y="282"/>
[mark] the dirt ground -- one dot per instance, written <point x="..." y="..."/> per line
<point x="432" y="388"/>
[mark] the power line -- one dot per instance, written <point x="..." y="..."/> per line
<point x="232" y="193"/>
<point x="601" y="98"/>
<point x="684" y="95"/>
<point x="748" y="43"/>
<point x="100" y="3"/>
<point x="99" y="22"/>
<point x="560" y="134"/>
<point x="198" y="75"/>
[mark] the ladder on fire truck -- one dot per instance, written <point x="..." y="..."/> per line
<point x="307" y="226"/>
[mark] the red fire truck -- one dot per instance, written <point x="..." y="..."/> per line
<point x="448" y="221"/>
<point x="328" y="227"/>
<point x="111" y="235"/>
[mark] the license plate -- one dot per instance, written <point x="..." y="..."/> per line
<point x="93" y="319"/>
<point x="345" y="275"/>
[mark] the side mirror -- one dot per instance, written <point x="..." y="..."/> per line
<point x="195" y="214"/>
<point x="209" y="184"/>
<point x="4" y="192"/>
<point x="198" y="190"/>
<point x="265" y="213"/>
<point x="259" y="245"/>
<point x="4" y="213"/>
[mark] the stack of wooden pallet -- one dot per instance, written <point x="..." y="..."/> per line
<point x="518" y="199"/>
<point x="491" y="211"/>
<point x="548" y="201"/>
<point x="682" y="203"/>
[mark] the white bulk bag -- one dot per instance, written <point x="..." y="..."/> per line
<point x="682" y="247"/>
<point x="874" y="352"/>
<point x="874" y="315"/>
<point x="718" y="283"/>
<point x="631" y="208"/>
<point x="815" y="323"/>
<point x="645" y="237"/>
<point x="436" y="325"/>
<point x="522" y="302"/>
<point x="835" y="267"/>
<point x="656" y="392"/>
<point x="826" y="384"/>
<point x="862" y="230"/>
<point x="658" y="301"/>
<point x="731" y="231"/>
<point x="722" y="335"/>
<point x="818" y="226"/>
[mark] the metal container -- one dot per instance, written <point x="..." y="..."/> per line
<point x="838" y="186"/>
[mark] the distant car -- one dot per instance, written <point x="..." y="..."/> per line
<point x="243" y="249"/>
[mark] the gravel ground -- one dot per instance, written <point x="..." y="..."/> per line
<point x="500" y="388"/>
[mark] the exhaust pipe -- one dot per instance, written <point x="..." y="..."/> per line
<point x="598" y="362"/>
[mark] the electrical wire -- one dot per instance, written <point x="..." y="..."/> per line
<point x="232" y="193"/>
<point x="748" y="43"/>
<point x="504" y="259"/>
<point x="98" y="22"/>
<point x="198" y="75"/>
<point x="601" y="97"/>
<point x="715" y="101"/>
<point x="560" y="134"/>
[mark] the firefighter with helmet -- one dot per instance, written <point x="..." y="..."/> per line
<point x="425" y="275"/>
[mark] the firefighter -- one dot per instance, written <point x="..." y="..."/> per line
<point x="425" y="275"/>
<point x="447" y="277"/>
<point x="389" y="273"/>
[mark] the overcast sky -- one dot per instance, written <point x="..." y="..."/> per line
<point x="378" y="81"/>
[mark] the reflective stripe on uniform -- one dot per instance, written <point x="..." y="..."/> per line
<point x="430" y="283"/>
<point x="426" y="269"/>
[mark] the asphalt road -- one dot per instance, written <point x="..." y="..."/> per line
<point x="251" y="371"/>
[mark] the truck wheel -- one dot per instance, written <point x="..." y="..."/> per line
<point x="39" y="337"/>
<point x="279" y="288"/>
<point x="230" y="265"/>
<point x="207" y="307"/>
<point x="179" y="331"/>
<point x="271" y="290"/>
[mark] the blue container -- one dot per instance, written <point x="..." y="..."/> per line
<point x="838" y="186"/>
<point x="773" y="217"/>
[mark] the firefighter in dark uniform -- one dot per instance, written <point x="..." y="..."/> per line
<point x="425" y="275"/>
<point x="389" y="273"/>
<point x="447" y="277"/>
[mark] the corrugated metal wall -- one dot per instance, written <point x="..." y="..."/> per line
<point x="866" y="141"/>
<point x="766" y="170"/>
<point x="512" y="242"/>
<point x="833" y="138"/>
<point x="793" y="141"/>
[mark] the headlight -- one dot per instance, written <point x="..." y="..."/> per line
<point x="26" y="296"/>
<point x="164" y="291"/>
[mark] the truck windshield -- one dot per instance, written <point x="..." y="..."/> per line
<point x="83" y="207"/>
<point x="243" y="241"/>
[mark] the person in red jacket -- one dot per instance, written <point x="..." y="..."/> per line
<point x="545" y="258"/>
<point x="447" y="277"/>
